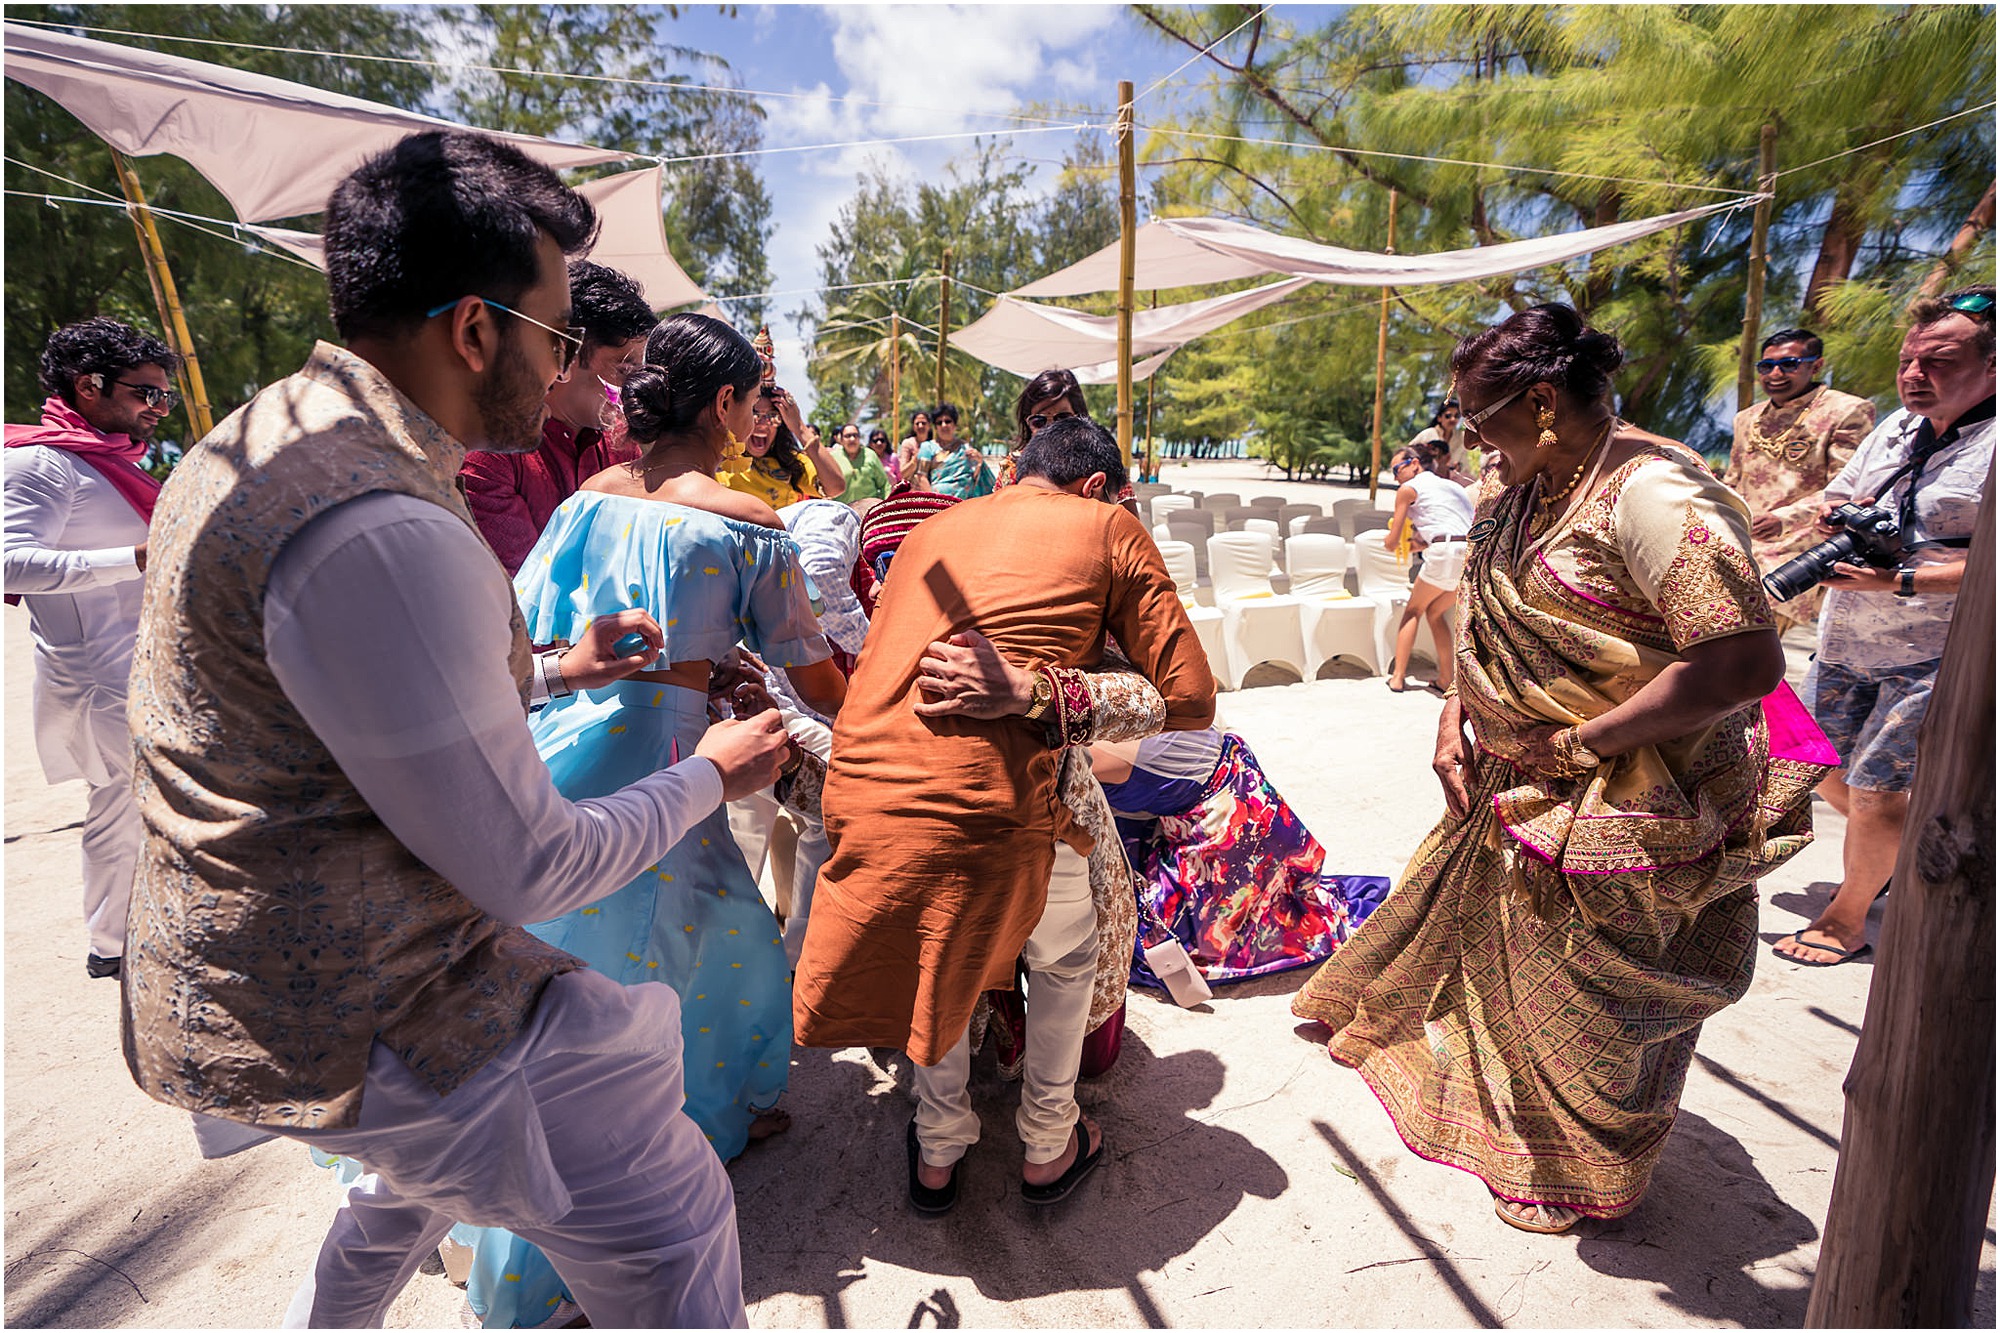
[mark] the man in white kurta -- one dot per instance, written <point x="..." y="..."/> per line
<point x="75" y="546"/>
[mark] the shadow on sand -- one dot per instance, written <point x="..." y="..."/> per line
<point x="813" y="1210"/>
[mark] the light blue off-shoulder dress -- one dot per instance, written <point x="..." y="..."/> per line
<point x="695" y="920"/>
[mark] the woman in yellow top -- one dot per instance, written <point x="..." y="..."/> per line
<point x="781" y="472"/>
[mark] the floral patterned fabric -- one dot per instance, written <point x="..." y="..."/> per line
<point x="1782" y="457"/>
<point x="1525" y="1004"/>
<point x="1234" y="874"/>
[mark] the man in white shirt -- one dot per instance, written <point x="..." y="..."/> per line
<point x="347" y="824"/>
<point x="1882" y="631"/>
<point x="77" y="505"/>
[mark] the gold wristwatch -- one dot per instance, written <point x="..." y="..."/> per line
<point x="1044" y="696"/>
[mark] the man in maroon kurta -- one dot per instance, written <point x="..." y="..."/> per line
<point x="947" y="831"/>
<point x="513" y="495"/>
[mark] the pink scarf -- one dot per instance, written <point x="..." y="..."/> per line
<point x="116" y="457"/>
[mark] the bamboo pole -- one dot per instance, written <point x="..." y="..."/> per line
<point x="895" y="381"/>
<point x="1128" y="246"/>
<point x="166" y="296"/>
<point x="1148" y="471"/>
<point x="944" y="326"/>
<point x="1753" y="299"/>
<point x="1915" y="1176"/>
<point x="1381" y="368"/>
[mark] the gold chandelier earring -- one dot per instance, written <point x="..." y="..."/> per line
<point x="1545" y="417"/>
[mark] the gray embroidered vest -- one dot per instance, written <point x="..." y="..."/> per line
<point x="277" y="927"/>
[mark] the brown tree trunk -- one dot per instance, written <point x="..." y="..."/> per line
<point x="1610" y="200"/>
<point x="1978" y="222"/>
<point x="1903" y="1233"/>
<point x="1838" y="245"/>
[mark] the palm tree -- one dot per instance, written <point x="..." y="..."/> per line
<point x="889" y="319"/>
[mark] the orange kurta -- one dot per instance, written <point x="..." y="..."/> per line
<point x="944" y="830"/>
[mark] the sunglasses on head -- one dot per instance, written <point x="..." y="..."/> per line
<point x="1786" y="363"/>
<point x="569" y="342"/>
<point x="1973" y="303"/>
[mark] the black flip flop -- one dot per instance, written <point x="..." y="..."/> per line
<point x="923" y="1197"/>
<point x="1065" y="1184"/>
<point x="1846" y="955"/>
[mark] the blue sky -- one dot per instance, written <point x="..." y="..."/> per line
<point x="872" y="72"/>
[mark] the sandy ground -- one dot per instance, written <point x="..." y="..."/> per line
<point x="1250" y="1181"/>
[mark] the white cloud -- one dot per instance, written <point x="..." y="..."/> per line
<point x="940" y="65"/>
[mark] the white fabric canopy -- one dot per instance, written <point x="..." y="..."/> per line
<point x="1027" y="338"/>
<point x="275" y="149"/>
<point x="629" y="239"/>
<point x="1187" y="252"/>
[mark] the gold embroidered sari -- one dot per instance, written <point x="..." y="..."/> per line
<point x="1526" y="1002"/>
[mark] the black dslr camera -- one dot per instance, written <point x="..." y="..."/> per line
<point x="1869" y="535"/>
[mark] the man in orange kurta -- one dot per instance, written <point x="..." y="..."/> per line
<point x="946" y="831"/>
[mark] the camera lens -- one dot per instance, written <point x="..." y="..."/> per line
<point x="1811" y="567"/>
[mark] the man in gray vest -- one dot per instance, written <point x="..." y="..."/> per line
<point x="346" y="821"/>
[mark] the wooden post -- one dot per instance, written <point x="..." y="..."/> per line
<point x="1147" y="470"/>
<point x="1381" y="366"/>
<point x="1753" y="299"/>
<point x="167" y="297"/>
<point x="1904" y="1230"/>
<point x="944" y="327"/>
<point x="1128" y="249"/>
<point x="1978" y="222"/>
<point x="895" y="380"/>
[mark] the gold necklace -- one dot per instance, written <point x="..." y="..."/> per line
<point x="1790" y="444"/>
<point x="1545" y="504"/>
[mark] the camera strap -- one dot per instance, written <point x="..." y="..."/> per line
<point x="1925" y="444"/>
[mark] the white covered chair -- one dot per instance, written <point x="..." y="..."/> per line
<point x="1161" y="505"/>
<point x="1332" y="621"/>
<point x="1258" y="625"/>
<point x="1268" y="528"/>
<point x="1385" y="581"/>
<point x="1207" y="621"/>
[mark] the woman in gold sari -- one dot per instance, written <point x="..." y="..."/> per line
<point x="1526" y="1002"/>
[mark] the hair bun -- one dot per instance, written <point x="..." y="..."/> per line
<point x="646" y="399"/>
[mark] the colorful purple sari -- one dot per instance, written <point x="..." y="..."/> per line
<point x="1227" y="865"/>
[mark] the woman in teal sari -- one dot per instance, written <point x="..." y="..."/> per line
<point x="714" y="567"/>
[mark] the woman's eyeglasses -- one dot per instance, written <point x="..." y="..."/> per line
<point x="1038" y="421"/>
<point x="1784" y="363"/>
<point x="1470" y="425"/>
<point x="569" y="342"/>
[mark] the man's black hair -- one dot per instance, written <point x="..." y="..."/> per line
<point x="607" y="305"/>
<point x="442" y="215"/>
<point x="1814" y="347"/>
<point x="1070" y="449"/>
<point x="99" y="346"/>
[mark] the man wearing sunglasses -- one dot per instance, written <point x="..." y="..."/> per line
<point x="77" y="506"/>
<point x="1787" y="448"/>
<point x="1882" y="633"/>
<point x="513" y="495"/>
<point x="347" y="824"/>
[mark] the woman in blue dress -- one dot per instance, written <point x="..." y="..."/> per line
<point x="714" y="567"/>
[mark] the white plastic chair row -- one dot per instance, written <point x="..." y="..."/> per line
<point x="1207" y="620"/>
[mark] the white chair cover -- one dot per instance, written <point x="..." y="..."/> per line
<point x="1332" y="622"/>
<point x="1207" y="621"/>
<point x="1258" y="625"/>
<point x="1162" y="505"/>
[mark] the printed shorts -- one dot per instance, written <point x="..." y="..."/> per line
<point x="1872" y="719"/>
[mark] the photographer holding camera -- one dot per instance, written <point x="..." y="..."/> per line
<point x="1899" y="517"/>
